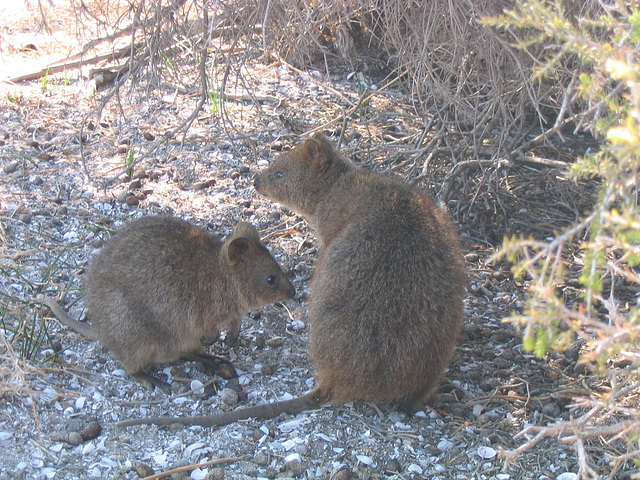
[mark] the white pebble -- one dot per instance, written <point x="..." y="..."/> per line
<point x="80" y="401"/>
<point x="477" y="410"/>
<point x="366" y="460"/>
<point x="197" y="386"/>
<point x="486" y="452"/>
<point x="291" y="425"/>
<point x="88" y="448"/>
<point x="49" y="394"/>
<point x="567" y="476"/>
<point x="48" y="472"/>
<point x="199" y="474"/>
<point x="191" y="448"/>
<point x="70" y="236"/>
<point x="297" y="325"/>
<point x="444" y="445"/>
<point x="160" y="459"/>
<point x="262" y="163"/>
<point x="289" y="444"/>
<point x="413" y="468"/>
<point x="292" y="457"/>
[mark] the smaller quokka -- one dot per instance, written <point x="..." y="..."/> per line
<point x="161" y="287"/>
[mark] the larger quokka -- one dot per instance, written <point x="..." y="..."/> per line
<point x="386" y="295"/>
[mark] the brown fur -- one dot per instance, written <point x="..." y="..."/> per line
<point x="161" y="286"/>
<point x="386" y="296"/>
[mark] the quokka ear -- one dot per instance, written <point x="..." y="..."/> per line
<point x="319" y="152"/>
<point x="246" y="230"/>
<point x="238" y="251"/>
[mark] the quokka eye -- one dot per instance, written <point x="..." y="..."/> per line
<point x="271" y="279"/>
<point x="278" y="174"/>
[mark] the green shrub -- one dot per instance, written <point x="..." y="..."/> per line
<point x="607" y="242"/>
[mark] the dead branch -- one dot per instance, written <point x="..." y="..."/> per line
<point x="188" y="468"/>
<point x="57" y="67"/>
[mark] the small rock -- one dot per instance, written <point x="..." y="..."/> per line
<point x="275" y="342"/>
<point x="122" y="149"/>
<point x="488" y="384"/>
<point x="229" y="396"/>
<point x="11" y="167"/>
<point x="267" y="370"/>
<point x="261" y="459"/>
<point x="270" y="472"/>
<point x="392" y="466"/>
<point x="210" y="182"/>
<point x="293" y="462"/>
<point x="501" y="363"/>
<point x="472" y="257"/>
<point x="260" y="341"/>
<point x="74" y="438"/>
<point x="134" y="185"/>
<point x="149" y="136"/>
<point x="581" y="368"/>
<point x="25" y="217"/>
<point x="45" y="157"/>
<point x="132" y="201"/>
<point x="551" y="409"/>
<point x="140" y="173"/>
<point x="144" y="470"/>
<point x="122" y="198"/>
<point x="216" y="473"/>
<point x="343" y="474"/>
<point x="91" y="431"/>
<point x="179" y="374"/>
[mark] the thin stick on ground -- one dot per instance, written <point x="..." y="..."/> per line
<point x="189" y="468"/>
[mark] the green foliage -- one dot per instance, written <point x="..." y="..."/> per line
<point x="45" y="81"/>
<point x="29" y="331"/>
<point x="15" y="99"/>
<point x="214" y="100"/>
<point x="608" y="240"/>
<point x="609" y="83"/>
<point x="129" y="162"/>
